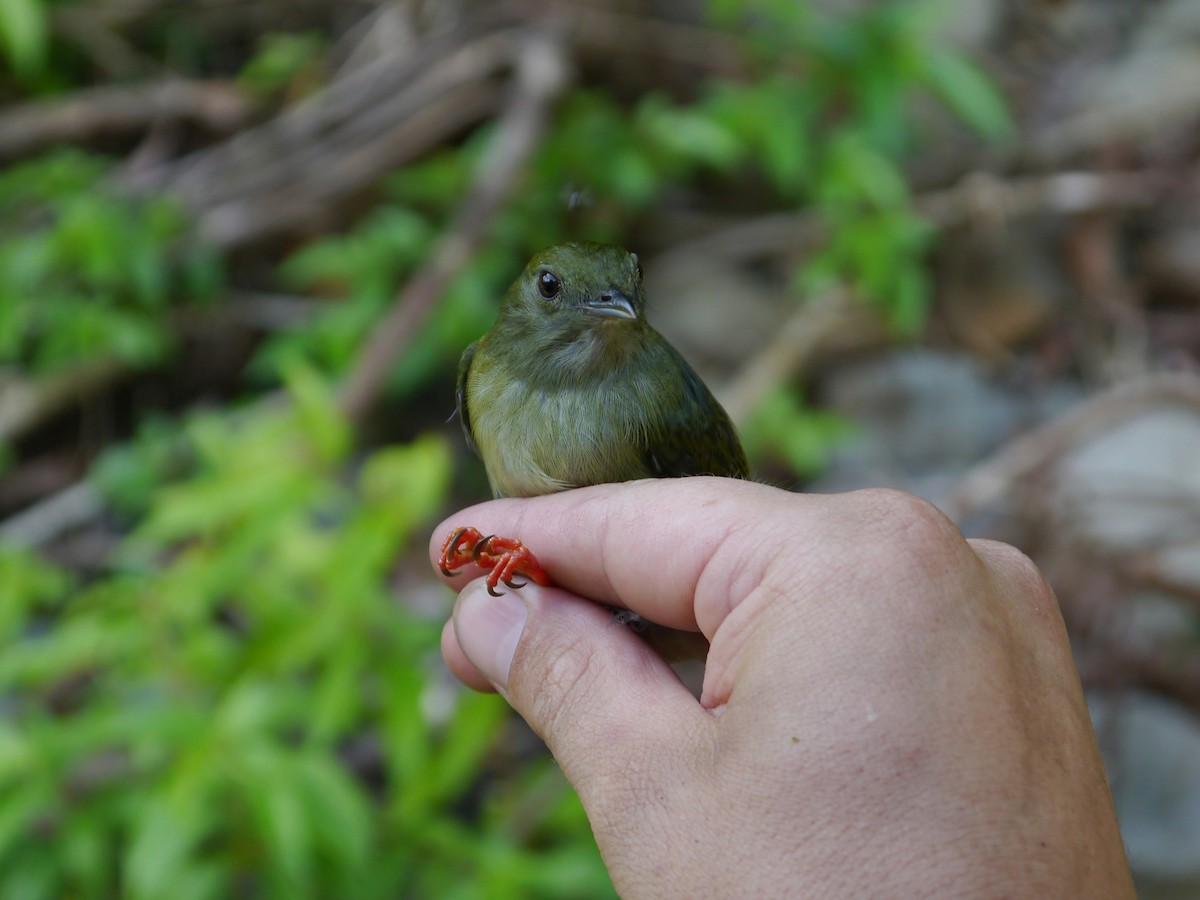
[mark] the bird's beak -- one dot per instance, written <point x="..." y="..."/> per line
<point x="610" y="305"/>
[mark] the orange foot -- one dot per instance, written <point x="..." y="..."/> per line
<point x="506" y="557"/>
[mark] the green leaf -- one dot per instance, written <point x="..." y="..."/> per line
<point x="412" y="478"/>
<point x="406" y="733"/>
<point x="24" y="34"/>
<point x="690" y="135"/>
<point x="322" y="422"/>
<point x="855" y="172"/>
<point x="782" y="424"/>
<point x="32" y="876"/>
<point x="336" y="701"/>
<point x="968" y="92"/>
<point x="280" y="58"/>
<point x="910" y="301"/>
<point x="84" y="852"/>
<point x="633" y="178"/>
<point x="786" y="154"/>
<point x="164" y="835"/>
<point x="26" y="581"/>
<point x="23" y="801"/>
<point x="287" y="830"/>
<point x="471" y="735"/>
<point x="337" y="808"/>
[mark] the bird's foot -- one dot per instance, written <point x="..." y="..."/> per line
<point x="507" y="558"/>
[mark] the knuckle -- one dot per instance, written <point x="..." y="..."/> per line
<point x="919" y="552"/>
<point x="1015" y="562"/>
<point x="1019" y="573"/>
<point x="908" y="522"/>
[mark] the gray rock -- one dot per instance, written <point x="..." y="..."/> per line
<point x="1152" y="750"/>
<point x="923" y="418"/>
<point x="1136" y="488"/>
<point x="922" y="410"/>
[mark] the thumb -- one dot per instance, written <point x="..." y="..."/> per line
<point x="603" y="701"/>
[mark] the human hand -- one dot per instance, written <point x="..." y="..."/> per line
<point x="887" y="710"/>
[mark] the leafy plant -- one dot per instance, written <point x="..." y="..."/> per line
<point x="243" y="705"/>
<point x="281" y="60"/>
<point x="802" y="435"/>
<point x="87" y="274"/>
<point x="246" y="703"/>
<point x="24" y="35"/>
<point x="826" y="122"/>
<point x="832" y="121"/>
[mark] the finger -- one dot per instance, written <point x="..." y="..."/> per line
<point x="658" y="547"/>
<point x="461" y="667"/>
<point x="602" y="701"/>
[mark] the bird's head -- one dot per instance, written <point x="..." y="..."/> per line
<point x="577" y="301"/>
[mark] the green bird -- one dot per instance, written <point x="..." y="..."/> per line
<point x="573" y="387"/>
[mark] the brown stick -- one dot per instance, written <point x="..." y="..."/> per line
<point x="120" y="109"/>
<point x="388" y="110"/>
<point x="977" y="197"/>
<point x="539" y="79"/>
<point x="809" y="330"/>
<point x="25" y="404"/>
<point x="1003" y="472"/>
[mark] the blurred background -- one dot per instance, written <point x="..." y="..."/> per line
<point x="952" y="247"/>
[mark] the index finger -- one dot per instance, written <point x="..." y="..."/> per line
<point x="664" y="548"/>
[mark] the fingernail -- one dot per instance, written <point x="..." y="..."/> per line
<point x="488" y="629"/>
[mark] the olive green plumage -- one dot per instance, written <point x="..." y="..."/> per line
<point x="572" y="386"/>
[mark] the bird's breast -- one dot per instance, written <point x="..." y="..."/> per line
<point x="537" y="440"/>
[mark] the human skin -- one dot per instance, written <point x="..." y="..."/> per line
<point x="888" y="709"/>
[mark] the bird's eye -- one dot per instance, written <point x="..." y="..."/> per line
<point x="548" y="284"/>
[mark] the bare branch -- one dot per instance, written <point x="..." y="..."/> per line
<point x="376" y="117"/>
<point x="25" y="404"/>
<point x="811" y="329"/>
<point x="541" y="75"/>
<point x="977" y="197"/>
<point x="1004" y="471"/>
<point x="121" y="109"/>
<point x="51" y="517"/>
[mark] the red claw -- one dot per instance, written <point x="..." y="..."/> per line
<point x="505" y="557"/>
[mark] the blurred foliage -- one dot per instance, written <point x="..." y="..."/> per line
<point x="800" y="435"/>
<point x="282" y="60"/>
<point x="239" y="705"/>
<point x="244" y="705"/>
<point x="826" y="123"/>
<point x="24" y="36"/>
<point x="87" y="274"/>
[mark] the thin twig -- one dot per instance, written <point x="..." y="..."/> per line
<point x="614" y="32"/>
<point x="982" y="196"/>
<point x="382" y="114"/>
<point x="1018" y="460"/>
<point x="95" y="29"/>
<point x="541" y="75"/>
<point x="1135" y="118"/>
<point x="807" y="332"/>
<point x="265" y="211"/>
<point x="25" y="404"/>
<point x="977" y="197"/>
<point x="121" y="109"/>
<point x="52" y="516"/>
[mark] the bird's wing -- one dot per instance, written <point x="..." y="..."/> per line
<point x="697" y="437"/>
<point x="460" y="396"/>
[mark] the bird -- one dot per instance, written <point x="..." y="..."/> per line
<point x="571" y="387"/>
